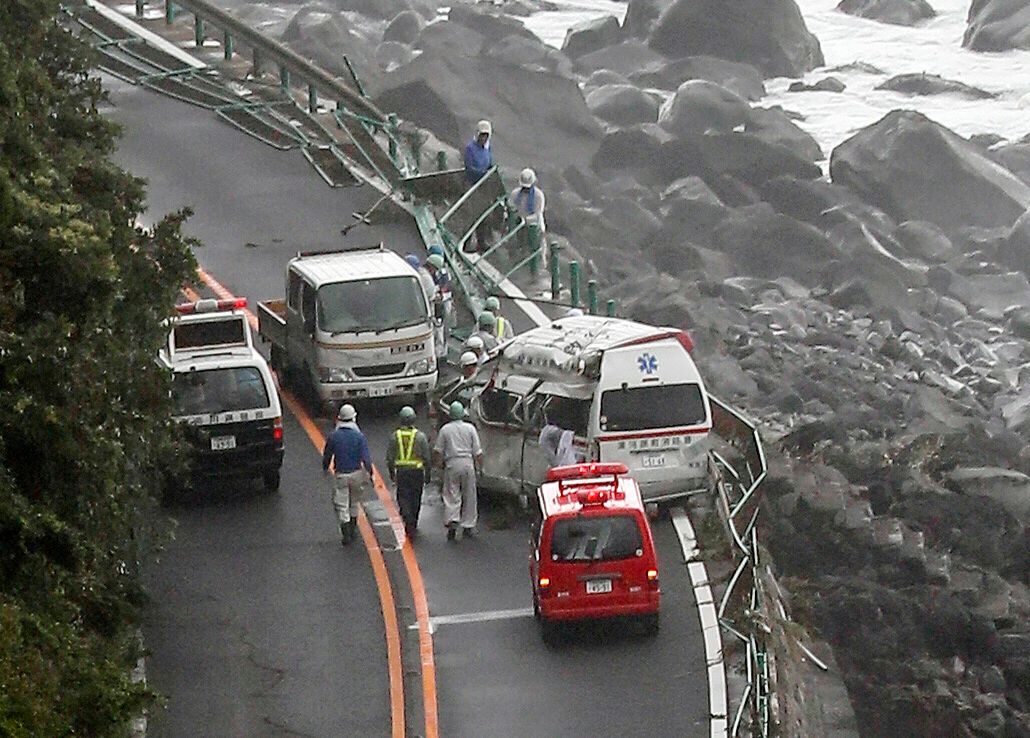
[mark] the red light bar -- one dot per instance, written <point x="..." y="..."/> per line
<point x="682" y="336"/>
<point x="586" y="471"/>
<point x="592" y="496"/>
<point x="210" y="306"/>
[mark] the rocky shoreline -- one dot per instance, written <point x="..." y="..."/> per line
<point x="875" y="321"/>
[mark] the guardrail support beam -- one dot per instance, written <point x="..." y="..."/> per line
<point x="391" y="132"/>
<point x="555" y="271"/>
<point x="198" y="31"/>
<point x="227" y="45"/>
<point x="169" y="12"/>
<point x="574" y="283"/>
<point x="592" y="296"/>
<point x="312" y="99"/>
<point x="610" y="308"/>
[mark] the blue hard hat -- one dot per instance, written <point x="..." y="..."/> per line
<point x="413" y="260"/>
<point x="435" y="249"/>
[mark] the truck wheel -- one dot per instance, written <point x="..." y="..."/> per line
<point x="651" y="624"/>
<point x="271" y="480"/>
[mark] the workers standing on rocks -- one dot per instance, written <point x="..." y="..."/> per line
<point x="487" y="330"/>
<point x="460" y="454"/>
<point x="346" y="449"/>
<point x="478" y="160"/>
<point x="503" y="329"/>
<point x="409" y="461"/>
<point x="528" y="201"/>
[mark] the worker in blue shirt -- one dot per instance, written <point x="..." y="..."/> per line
<point x="478" y="160"/>
<point x="346" y="449"/>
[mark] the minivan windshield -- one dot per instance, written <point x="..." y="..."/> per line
<point x="211" y="391"/>
<point x="371" y="305"/>
<point x="657" y="406"/>
<point x="596" y="538"/>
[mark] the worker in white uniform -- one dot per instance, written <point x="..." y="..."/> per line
<point x="474" y="343"/>
<point x="503" y="329"/>
<point x="460" y="454"/>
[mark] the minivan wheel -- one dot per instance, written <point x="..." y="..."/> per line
<point x="651" y="624"/>
<point x="271" y="480"/>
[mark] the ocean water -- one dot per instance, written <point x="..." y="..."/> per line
<point x="933" y="47"/>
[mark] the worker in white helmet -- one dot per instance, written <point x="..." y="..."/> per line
<point x="527" y="200"/>
<point x="475" y="345"/>
<point x="461" y="388"/>
<point x="479" y="159"/>
<point x="487" y="330"/>
<point x="503" y="329"/>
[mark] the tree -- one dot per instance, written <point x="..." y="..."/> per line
<point x="85" y="440"/>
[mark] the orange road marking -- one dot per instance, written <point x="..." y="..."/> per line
<point x="411" y="567"/>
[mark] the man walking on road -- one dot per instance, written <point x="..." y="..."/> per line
<point x="458" y="451"/>
<point x="346" y="449"/>
<point x="408" y="460"/>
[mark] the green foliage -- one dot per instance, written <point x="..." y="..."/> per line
<point x="85" y="442"/>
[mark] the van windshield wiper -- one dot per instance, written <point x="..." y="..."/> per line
<point x="356" y="329"/>
<point x="396" y="326"/>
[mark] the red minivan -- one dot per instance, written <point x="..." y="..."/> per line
<point x="593" y="554"/>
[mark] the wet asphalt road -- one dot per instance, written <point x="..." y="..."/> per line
<point x="261" y="624"/>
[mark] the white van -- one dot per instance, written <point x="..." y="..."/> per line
<point x="628" y="392"/>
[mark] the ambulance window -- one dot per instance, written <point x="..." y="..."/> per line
<point x="496" y="405"/>
<point x="566" y="413"/>
<point x="596" y="538"/>
<point x="658" y="406"/>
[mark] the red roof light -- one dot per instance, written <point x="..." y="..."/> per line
<point x="586" y="471"/>
<point x="210" y="306"/>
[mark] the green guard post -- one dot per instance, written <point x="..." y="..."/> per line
<point x="198" y="31"/>
<point x="257" y="63"/>
<point x="312" y="99"/>
<point x="392" y="131"/>
<point x="227" y="47"/>
<point x="533" y="238"/>
<point x="574" y="283"/>
<point x="592" y="296"/>
<point x="169" y="12"/>
<point x="555" y="273"/>
<point x="284" y="78"/>
<point x="611" y="309"/>
<point x="441" y="161"/>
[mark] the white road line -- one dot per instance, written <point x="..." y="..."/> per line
<point x="149" y="36"/>
<point x="478" y="617"/>
<point x="717" y="704"/>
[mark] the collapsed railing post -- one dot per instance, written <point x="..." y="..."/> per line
<point x="592" y="296"/>
<point x="256" y="71"/>
<point x="140" y="4"/>
<point x="198" y="31"/>
<point x="441" y="161"/>
<point x="169" y="12"/>
<point x="574" y="283"/>
<point x="312" y="98"/>
<point x="610" y="308"/>
<point x="555" y="273"/>
<point x="227" y="45"/>
<point x="284" y="78"/>
<point x="391" y="132"/>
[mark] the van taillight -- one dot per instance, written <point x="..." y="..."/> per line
<point x="545" y="582"/>
<point x="652" y="577"/>
<point x="277" y="430"/>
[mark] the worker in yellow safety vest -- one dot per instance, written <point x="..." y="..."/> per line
<point x="408" y="459"/>
<point x="503" y="329"/>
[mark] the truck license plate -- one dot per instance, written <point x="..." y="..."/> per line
<point x="223" y="443"/>
<point x="599" y="586"/>
<point x="379" y="391"/>
<point x="654" y="460"/>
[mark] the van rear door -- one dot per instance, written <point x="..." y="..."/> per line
<point x="653" y="415"/>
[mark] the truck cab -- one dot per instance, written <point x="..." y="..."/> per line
<point x="224" y="393"/>
<point x="354" y="324"/>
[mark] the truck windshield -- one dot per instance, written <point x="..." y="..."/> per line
<point x="211" y="391"/>
<point x="658" y="406"/>
<point x="595" y="538"/>
<point x="371" y="305"/>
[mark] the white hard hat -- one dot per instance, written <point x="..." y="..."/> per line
<point x="527" y="178"/>
<point x="573" y="313"/>
<point x="347" y="413"/>
<point x="474" y="342"/>
<point x="484" y="127"/>
<point x="468" y="358"/>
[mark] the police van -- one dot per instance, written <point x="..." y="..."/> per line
<point x="223" y="393"/>
<point x="621" y="391"/>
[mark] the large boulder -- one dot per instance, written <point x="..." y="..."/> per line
<point x="318" y="33"/>
<point x="924" y="241"/>
<point x="743" y="79"/>
<point x="898" y="12"/>
<point x="699" y="106"/>
<point x="623" y="105"/>
<point x="493" y="26"/>
<point x="998" y="25"/>
<point x="591" y="35"/>
<point x="994" y="294"/>
<point x="870" y="260"/>
<point x="636" y="150"/>
<point x="1014" y="157"/>
<point x="404" y="28"/>
<point x="641" y="17"/>
<point x="444" y="37"/>
<point x="529" y="53"/>
<point x="921" y="83"/>
<point x="774" y="125"/>
<point x="626" y="58"/>
<point x="820" y="203"/>
<point x="539" y="118"/>
<point x="770" y="34"/>
<point x="915" y="169"/>
<point x="750" y="159"/>
<point x="826" y="84"/>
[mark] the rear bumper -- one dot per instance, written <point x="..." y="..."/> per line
<point x="235" y="463"/>
<point x="555" y="609"/>
<point x="339" y="391"/>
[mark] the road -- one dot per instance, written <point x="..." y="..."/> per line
<point x="260" y="623"/>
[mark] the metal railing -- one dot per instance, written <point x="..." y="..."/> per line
<point x="742" y="607"/>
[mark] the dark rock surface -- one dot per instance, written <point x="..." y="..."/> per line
<point x="625" y="58"/>
<point x="826" y="84"/>
<point x="623" y="105"/>
<point x="857" y="66"/>
<point x="998" y="25"/>
<point x="641" y="17"/>
<point x="743" y="79"/>
<point x="1014" y="157"/>
<point x="770" y="34"/>
<point x="699" y="106"/>
<point x="897" y="12"/>
<point x="591" y="36"/>
<point x="404" y="27"/>
<point x="915" y="169"/>
<point x="933" y="84"/>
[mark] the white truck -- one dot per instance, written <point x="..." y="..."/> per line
<point x="223" y="393"/>
<point x="354" y="324"/>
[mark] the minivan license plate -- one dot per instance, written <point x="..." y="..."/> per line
<point x="223" y="443"/>
<point x="599" y="586"/>
<point x="654" y="460"/>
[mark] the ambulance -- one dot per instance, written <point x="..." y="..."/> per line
<point x="223" y="393"/>
<point x="593" y="553"/>
<point x="616" y="390"/>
